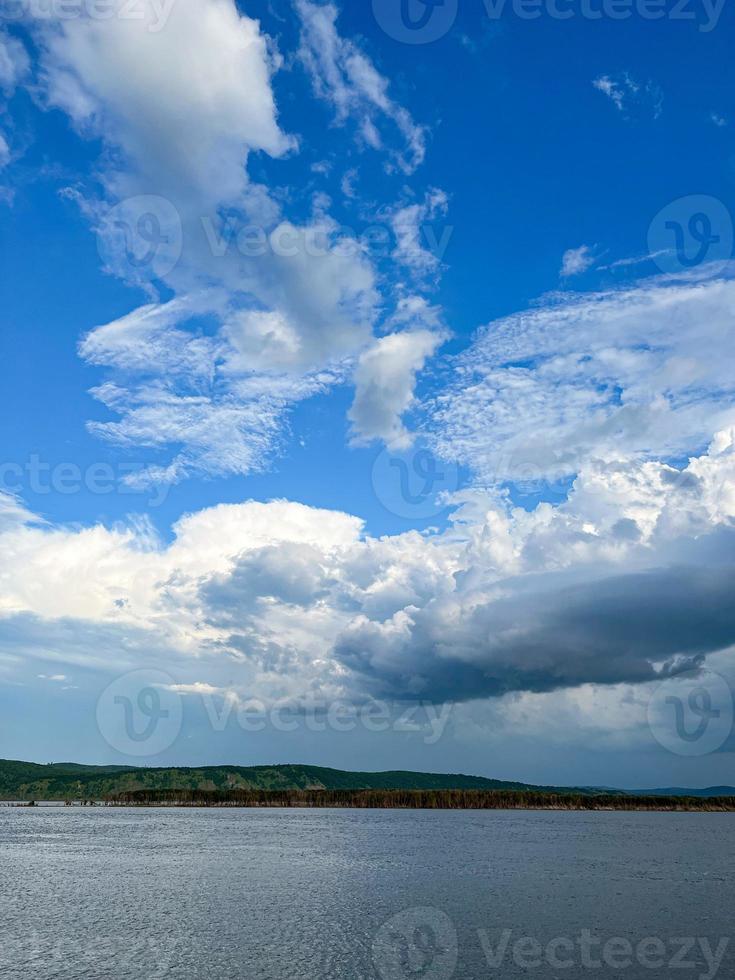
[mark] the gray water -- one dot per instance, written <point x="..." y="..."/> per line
<point x="391" y="895"/>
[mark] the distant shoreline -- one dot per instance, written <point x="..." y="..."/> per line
<point x="585" y="804"/>
<point x="414" y="800"/>
<point x="306" y="785"/>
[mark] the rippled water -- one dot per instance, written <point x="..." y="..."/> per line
<point x="354" y="894"/>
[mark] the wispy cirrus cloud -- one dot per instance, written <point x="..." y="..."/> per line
<point x="344" y="76"/>
<point x="592" y="376"/>
<point x="631" y="98"/>
<point x="14" y="63"/>
<point x="419" y="246"/>
<point x="14" y="67"/>
<point x="177" y="388"/>
<point x="282" y="322"/>
<point x="208" y="379"/>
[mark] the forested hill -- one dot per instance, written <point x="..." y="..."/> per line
<point x="69" y="781"/>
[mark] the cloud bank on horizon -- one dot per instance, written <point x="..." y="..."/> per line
<point x="591" y="544"/>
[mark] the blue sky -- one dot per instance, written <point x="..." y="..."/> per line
<point x="344" y="363"/>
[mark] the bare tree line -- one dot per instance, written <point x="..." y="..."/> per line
<point x="414" y="800"/>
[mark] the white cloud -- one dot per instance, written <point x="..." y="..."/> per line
<point x="412" y="234"/>
<point x="614" y="90"/>
<point x="635" y="260"/>
<point x="14" y="63"/>
<point x="627" y="580"/>
<point x="175" y="386"/>
<point x="14" y="67"/>
<point x="575" y="261"/>
<point x="631" y="98"/>
<point x="629" y="576"/>
<point x="344" y="76"/>
<point x="385" y="382"/>
<point x="637" y="372"/>
<point x="633" y="572"/>
<point x="718" y="120"/>
<point x="12" y="512"/>
<point x="134" y="86"/>
<point x="322" y="286"/>
<point x="348" y="183"/>
<point x="283" y="318"/>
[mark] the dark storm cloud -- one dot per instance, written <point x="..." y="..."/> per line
<point x="543" y="636"/>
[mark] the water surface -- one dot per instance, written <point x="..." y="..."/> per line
<point x="304" y="895"/>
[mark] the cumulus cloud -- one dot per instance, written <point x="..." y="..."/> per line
<point x="210" y="66"/>
<point x="550" y="633"/>
<point x="385" y="381"/>
<point x="629" y="580"/>
<point x="346" y="78"/>
<point x="637" y="372"/>
<point x="561" y="596"/>
<point x="575" y="261"/>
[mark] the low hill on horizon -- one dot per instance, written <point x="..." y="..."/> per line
<point x="24" y="781"/>
<point x="61" y="781"/>
<point x="706" y="793"/>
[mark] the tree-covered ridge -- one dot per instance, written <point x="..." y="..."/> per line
<point x="62" y="781"/>
<point x="71" y="781"/>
